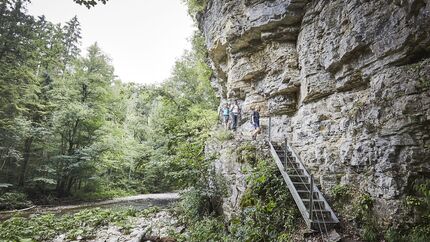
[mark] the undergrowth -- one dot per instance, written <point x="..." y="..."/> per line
<point x="357" y="207"/>
<point x="82" y="224"/>
<point x="416" y="227"/>
<point x="14" y="200"/>
<point x="102" y="195"/>
<point x="247" y="153"/>
<point x="267" y="211"/>
<point x="223" y="135"/>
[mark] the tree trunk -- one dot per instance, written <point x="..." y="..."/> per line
<point x="60" y="187"/>
<point x="70" y="183"/>
<point x="23" y="171"/>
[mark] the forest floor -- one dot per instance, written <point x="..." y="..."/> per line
<point x="155" y="226"/>
<point x="138" y="202"/>
<point x="130" y="218"/>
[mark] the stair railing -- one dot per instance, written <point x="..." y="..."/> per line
<point x="314" y="187"/>
<point x="308" y="215"/>
<point x="290" y="185"/>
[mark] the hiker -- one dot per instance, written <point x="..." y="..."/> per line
<point x="226" y="115"/>
<point x="255" y="121"/>
<point x="235" y="111"/>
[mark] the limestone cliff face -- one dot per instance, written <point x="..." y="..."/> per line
<point x="347" y="82"/>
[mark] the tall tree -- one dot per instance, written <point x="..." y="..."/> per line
<point x="83" y="102"/>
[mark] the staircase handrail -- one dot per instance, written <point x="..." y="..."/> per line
<point x="315" y="187"/>
<point x="290" y="185"/>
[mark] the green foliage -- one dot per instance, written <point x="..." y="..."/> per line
<point x="102" y="194"/>
<point x="418" y="202"/>
<point x="180" y="115"/>
<point x="362" y="207"/>
<point x="90" y="3"/>
<point x="223" y="135"/>
<point x="207" y="229"/>
<point x="69" y="128"/>
<point x="247" y="153"/>
<point x="83" y="223"/>
<point x="341" y="193"/>
<point x="268" y="212"/>
<point x="13" y="200"/>
<point x="196" y="6"/>
<point x="362" y="213"/>
<point x="204" y="198"/>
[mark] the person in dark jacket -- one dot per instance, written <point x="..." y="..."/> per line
<point x="255" y="121"/>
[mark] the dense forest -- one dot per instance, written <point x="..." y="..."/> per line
<point x="70" y="128"/>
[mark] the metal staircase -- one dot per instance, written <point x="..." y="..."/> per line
<point x="315" y="210"/>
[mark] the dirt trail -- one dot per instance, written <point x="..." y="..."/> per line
<point x="139" y="202"/>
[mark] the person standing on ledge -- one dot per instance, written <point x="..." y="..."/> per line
<point x="235" y="111"/>
<point x="255" y="121"/>
<point x="226" y="115"/>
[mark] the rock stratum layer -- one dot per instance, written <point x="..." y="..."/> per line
<point x="346" y="82"/>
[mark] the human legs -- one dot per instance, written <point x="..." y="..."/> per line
<point x="256" y="131"/>
<point x="226" y="121"/>
<point x="234" y="122"/>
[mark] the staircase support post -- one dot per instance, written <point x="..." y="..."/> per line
<point x="270" y="129"/>
<point x="311" y="199"/>
<point x="285" y="152"/>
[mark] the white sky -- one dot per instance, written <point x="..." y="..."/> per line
<point x="143" y="37"/>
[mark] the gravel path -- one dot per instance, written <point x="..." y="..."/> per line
<point x="139" y="202"/>
<point x="152" y="198"/>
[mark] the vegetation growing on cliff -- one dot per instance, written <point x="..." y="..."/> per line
<point x="267" y="211"/>
<point x="416" y="225"/>
<point x="357" y="207"/>
<point x="196" y="6"/>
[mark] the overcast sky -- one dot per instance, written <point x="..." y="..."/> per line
<point x="143" y="37"/>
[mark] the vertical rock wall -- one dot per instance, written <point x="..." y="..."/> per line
<point x="347" y="82"/>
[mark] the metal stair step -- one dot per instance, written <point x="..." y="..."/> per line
<point x="282" y="151"/>
<point x="322" y="215"/>
<point x="289" y="158"/>
<point x="318" y="203"/>
<point x="296" y="179"/>
<point x="292" y="171"/>
<point x="291" y="164"/>
<point x="328" y="221"/>
<point x="301" y="186"/>
<point x="305" y="194"/>
<point x="299" y="178"/>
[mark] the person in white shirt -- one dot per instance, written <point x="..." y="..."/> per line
<point x="235" y="111"/>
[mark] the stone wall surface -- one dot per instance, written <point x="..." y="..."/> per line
<point x="346" y="82"/>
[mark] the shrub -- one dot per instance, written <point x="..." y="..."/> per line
<point x="341" y="193"/>
<point x="102" y="195"/>
<point x="418" y="202"/>
<point x="207" y="229"/>
<point x="14" y="200"/>
<point x="268" y="210"/>
<point x="196" y="6"/>
<point x="223" y="135"/>
<point x="247" y="153"/>
<point x="204" y="199"/>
